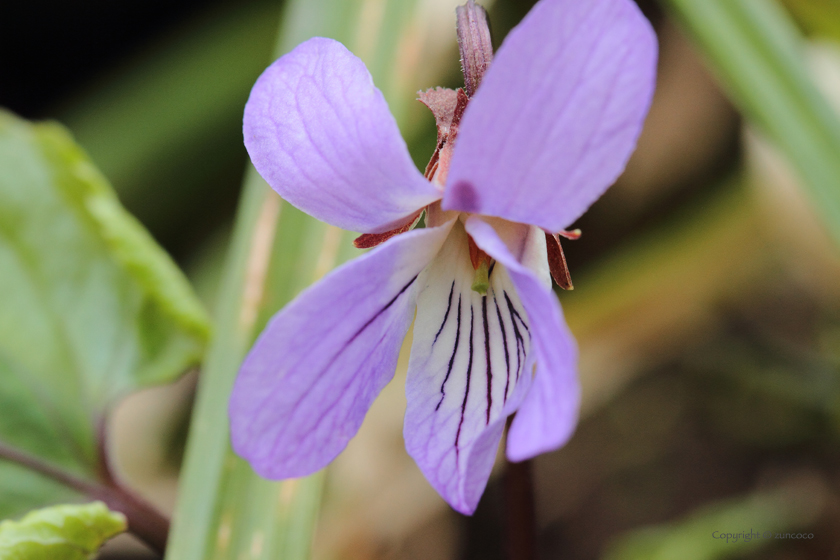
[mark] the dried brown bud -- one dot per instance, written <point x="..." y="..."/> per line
<point x="442" y="102"/>
<point x="475" y="44"/>
<point x="448" y="107"/>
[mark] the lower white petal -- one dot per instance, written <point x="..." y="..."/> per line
<point x="548" y="414"/>
<point x="470" y="367"/>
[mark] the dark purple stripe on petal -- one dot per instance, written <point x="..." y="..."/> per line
<point x="469" y="376"/>
<point x="487" y="356"/>
<point x="452" y="358"/>
<point x="517" y="335"/>
<point x="516" y="313"/>
<point x="380" y="312"/>
<point x="446" y="315"/>
<point x="505" y="344"/>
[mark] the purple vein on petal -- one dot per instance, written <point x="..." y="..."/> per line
<point x="469" y="378"/>
<point x="352" y="339"/>
<point x="343" y="391"/>
<point x="505" y="345"/>
<point x="381" y="311"/>
<point x="454" y="352"/>
<point x="322" y="136"/>
<point x="487" y="356"/>
<point x="307" y="383"/>
<point x="516" y="333"/>
<point x="446" y="315"/>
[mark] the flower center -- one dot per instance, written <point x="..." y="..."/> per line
<point x="481" y="264"/>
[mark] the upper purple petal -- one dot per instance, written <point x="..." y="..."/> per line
<point x="320" y="133"/>
<point x="310" y="378"/>
<point x="557" y="115"/>
<point x="548" y="415"/>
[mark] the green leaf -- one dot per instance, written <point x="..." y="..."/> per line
<point x="69" y="532"/>
<point x="22" y="489"/>
<point x="90" y="307"/>
<point x="757" y="52"/>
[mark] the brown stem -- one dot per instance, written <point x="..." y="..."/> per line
<point x="147" y="523"/>
<point x="143" y="520"/>
<point x="520" y="517"/>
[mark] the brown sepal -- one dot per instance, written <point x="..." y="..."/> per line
<point x="557" y="262"/>
<point x="369" y="240"/>
<point x="573" y="235"/>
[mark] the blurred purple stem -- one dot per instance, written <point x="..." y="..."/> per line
<point x="520" y="519"/>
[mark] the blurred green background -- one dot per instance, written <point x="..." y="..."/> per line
<point x="707" y="280"/>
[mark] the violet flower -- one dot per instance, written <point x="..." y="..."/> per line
<point x="550" y="127"/>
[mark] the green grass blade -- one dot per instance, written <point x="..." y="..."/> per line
<point x="758" y="54"/>
<point x="225" y="511"/>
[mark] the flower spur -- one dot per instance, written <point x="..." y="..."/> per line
<point x="551" y="126"/>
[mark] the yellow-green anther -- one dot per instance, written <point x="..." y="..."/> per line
<point x="481" y="280"/>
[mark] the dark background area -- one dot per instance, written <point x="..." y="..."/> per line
<point x="52" y="49"/>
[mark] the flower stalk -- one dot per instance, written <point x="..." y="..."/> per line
<point x="520" y="518"/>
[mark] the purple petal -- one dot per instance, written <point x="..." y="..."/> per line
<point x="468" y="371"/>
<point x="548" y="415"/>
<point x="321" y="134"/>
<point x="557" y="115"/>
<point x="309" y="380"/>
